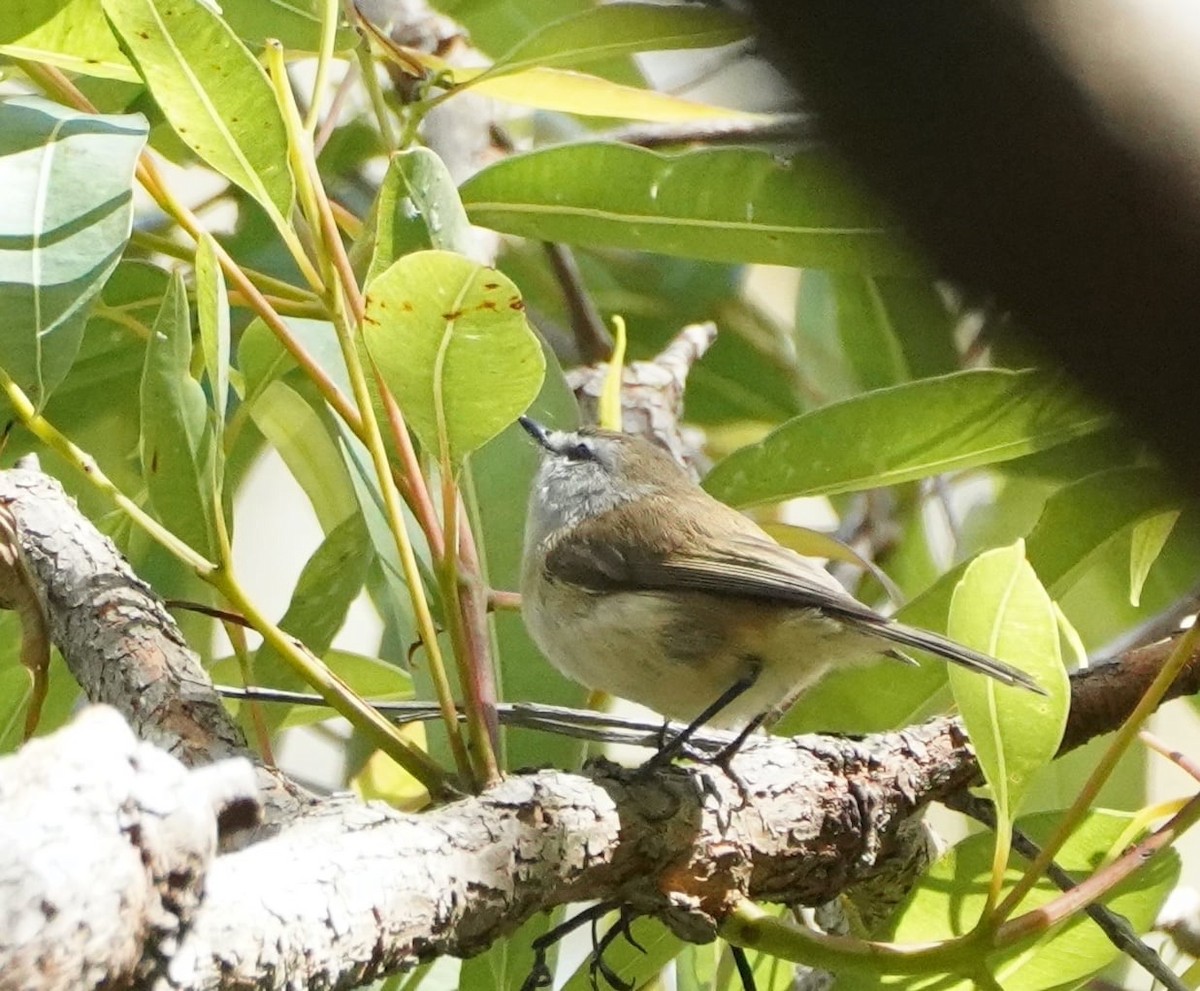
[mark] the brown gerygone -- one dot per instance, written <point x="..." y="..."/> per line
<point x="638" y="583"/>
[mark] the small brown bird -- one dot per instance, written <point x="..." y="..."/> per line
<point x="638" y="583"/>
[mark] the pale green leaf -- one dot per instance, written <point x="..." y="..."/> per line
<point x="74" y="34"/>
<point x="65" y="218"/>
<point x="725" y="204"/>
<point x="1000" y="608"/>
<point x="450" y="338"/>
<point x="417" y="208"/>
<point x="212" y="90"/>
<point x="308" y="448"/>
<point x="906" y="432"/>
<point x="892" y="330"/>
<point x="262" y="358"/>
<point x="177" y="442"/>
<point x="1149" y="536"/>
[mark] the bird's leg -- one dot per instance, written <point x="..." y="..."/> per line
<point x="539" y="974"/>
<point x="674" y="747"/>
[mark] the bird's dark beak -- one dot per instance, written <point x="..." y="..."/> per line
<point x="535" y="430"/>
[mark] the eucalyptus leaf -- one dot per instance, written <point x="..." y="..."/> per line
<point x="450" y="339"/>
<point x="725" y="204"/>
<point x="177" y="452"/>
<point x="1000" y="608"/>
<point x="212" y="90"/>
<point x="907" y="432"/>
<point x="64" y="221"/>
<point x="1080" y="519"/>
<point x="570" y="92"/>
<point x="308" y="446"/>
<point x="417" y="208"/>
<point x="893" y="329"/>
<point x="496" y="26"/>
<point x="295" y="24"/>
<point x="262" y="358"/>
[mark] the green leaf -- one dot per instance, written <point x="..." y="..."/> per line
<point x="450" y="338"/>
<point x="212" y="306"/>
<point x="947" y="902"/>
<point x="893" y="329"/>
<point x="1149" y="536"/>
<point x="295" y="24"/>
<point x="507" y="962"/>
<point x="212" y="90"/>
<point x="69" y="34"/>
<point x="1081" y="519"/>
<point x="176" y="446"/>
<point x="495" y="26"/>
<point x="328" y="583"/>
<point x="64" y="222"/>
<point x="74" y="34"/>
<point x="1000" y="608"/>
<point x="262" y="359"/>
<point x="904" y="433"/>
<point x="622" y="29"/>
<point x="417" y="208"/>
<point x="370" y="677"/>
<point x="822" y="364"/>
<point x="728" y="204"/>
<point x="636" y="967"/>
<point x="305" y="442"/>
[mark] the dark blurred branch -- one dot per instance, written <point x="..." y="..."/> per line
<point x="1045" y="153"/>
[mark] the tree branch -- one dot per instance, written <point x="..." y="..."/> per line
<point x="345" y="892"/>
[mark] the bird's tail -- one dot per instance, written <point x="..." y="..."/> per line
<point x="956" y="653"/>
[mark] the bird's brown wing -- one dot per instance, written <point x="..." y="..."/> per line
<point x="732" y="557"/>
<point x="700" y="552"/>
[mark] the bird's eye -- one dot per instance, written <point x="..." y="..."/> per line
<point x="581" y="452"/>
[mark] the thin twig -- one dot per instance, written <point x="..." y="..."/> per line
<point x="1115" y="927"/>
<point x="591" y="336"/>
<point x="1176" y="757"/>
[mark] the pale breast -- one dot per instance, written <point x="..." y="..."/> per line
<point x="677" y="653"/>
